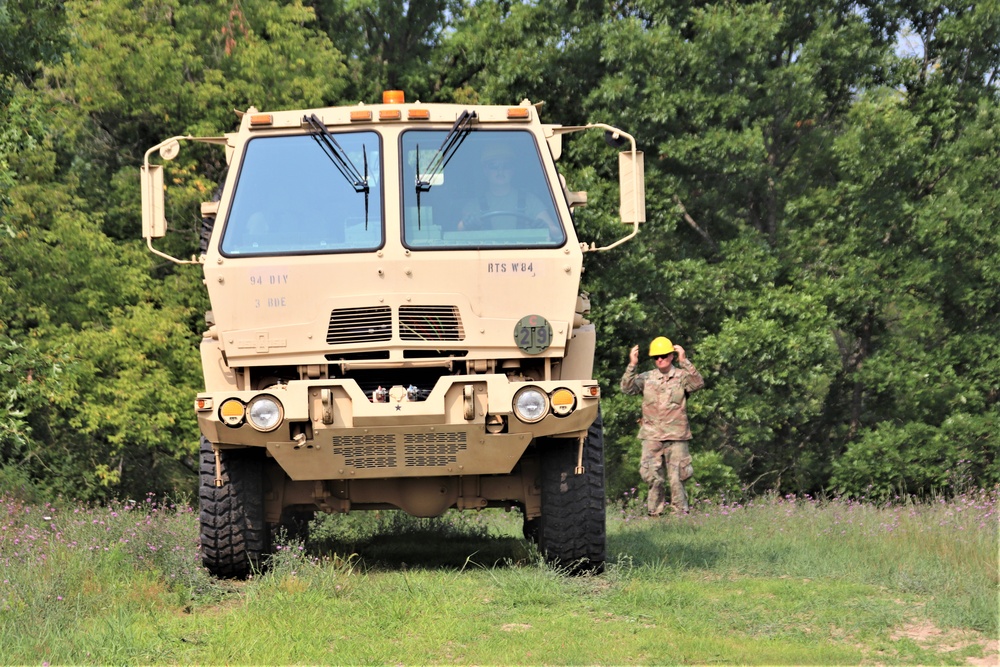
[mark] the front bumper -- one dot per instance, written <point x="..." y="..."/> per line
<point x="331" y="430"/>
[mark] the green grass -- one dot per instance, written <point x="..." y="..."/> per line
<point x="779" y="581"/>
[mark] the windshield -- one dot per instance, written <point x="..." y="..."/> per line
<point x="492" y="193"/>
<point x="292" y="198"/>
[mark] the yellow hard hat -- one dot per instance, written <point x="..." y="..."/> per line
<point x="660" y="345"/>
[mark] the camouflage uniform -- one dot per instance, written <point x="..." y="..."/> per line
<point x="664" y="431"/>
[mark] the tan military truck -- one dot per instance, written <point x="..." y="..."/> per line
<point x="397" y="323"/>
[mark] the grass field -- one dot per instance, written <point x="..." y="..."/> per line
<point x="780" y="581"/>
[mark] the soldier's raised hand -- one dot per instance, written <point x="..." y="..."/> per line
<point x="633" y="356"/>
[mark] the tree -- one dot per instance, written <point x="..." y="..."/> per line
<point x="108" y="337"/>
<point x="388" y="44"/>
<point x="765" y="244"/>
<point x="822" y="213"/>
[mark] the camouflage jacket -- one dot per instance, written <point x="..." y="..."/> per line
<point x="664" y="400"/>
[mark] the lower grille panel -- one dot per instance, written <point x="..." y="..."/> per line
<point x="386" y="450"/>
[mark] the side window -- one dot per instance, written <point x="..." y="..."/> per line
<point x="492" y="193"/>
<point x="291" y="198"/>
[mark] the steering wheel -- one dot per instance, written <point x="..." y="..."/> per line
<point x="521" y="221"/>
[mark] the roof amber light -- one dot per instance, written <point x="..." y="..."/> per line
<point x="518" y="113"/>
<point x="361" y="115"/>
<point x="259" y="119"/>
<point x="418" y="114"/>
<point x="390" y="114"/>
<point x="393" y="97"/>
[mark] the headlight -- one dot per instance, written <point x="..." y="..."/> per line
<point x="264" y="413"/>
<point x="531" y="404"/>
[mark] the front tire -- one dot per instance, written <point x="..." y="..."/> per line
<point x="571" y="530"/>
<point x="234" y="536"/>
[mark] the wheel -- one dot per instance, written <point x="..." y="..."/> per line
<point x="234" y="536"/>
<point x="571" y="530"/>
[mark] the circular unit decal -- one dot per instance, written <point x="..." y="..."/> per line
<point x="533" y="334"/>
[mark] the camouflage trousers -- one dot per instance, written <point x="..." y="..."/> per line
<point x="664" y="460"/>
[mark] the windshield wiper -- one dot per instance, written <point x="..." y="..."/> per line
<point x="459" y="131"/>
<point x="456" y="135"/>
<point x="338" y="156"/>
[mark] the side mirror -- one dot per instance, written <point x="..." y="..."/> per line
<point x="154" y="218"/>
<point x="632" y="181"/>
<point x="154" y="221"/>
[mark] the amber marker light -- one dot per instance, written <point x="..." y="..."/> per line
<point x="518" y="113"/>
<point x="261" y="119"/>
<point x="563" y="401"/>
<point x="361" y="115"/>
<point x="232" y="412"/>
<point x="203" y="404"/>
<point x="418" y="114"/>
<point x="390" y="114"/>
<point x="393" y="97"/>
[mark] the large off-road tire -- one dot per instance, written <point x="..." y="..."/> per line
<point x="571" y="530"/>
<point x="234" y="536"/>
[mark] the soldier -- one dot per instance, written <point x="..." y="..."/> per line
<point x="664" y="431"/>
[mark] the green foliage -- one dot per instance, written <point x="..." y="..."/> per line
<point x="32" y="33"/>
<point x="916" y="458"/>
<point x="388" y="44"/>
<point x="822" y="230"/>
<point x="18" y="394"/>
<point x="713" y="479"/>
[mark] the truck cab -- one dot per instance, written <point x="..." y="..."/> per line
<point x="396" y="322"/>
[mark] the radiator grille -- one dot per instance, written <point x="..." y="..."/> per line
<point x="435" y="437"/>
<point x="366" y="451"/>
<point x="359" y="325"/>
<point x="432" y="449"/>
<point x="430" y="323"/>
<point x="424" y="450"/>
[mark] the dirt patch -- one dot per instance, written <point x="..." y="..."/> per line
<point x="515" y="627"/>
<point x="930" y="637"/>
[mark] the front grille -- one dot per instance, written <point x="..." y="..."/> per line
<point x="423" y="450"/>
<point x="366" y="451"/>
<point x="430" y="323"/>
<point x="359" y="325"/>
<point x="432" y="449"/>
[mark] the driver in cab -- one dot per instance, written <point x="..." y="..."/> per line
<point x="500" y="204"/>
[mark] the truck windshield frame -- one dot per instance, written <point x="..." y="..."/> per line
<point x="492" y="194"/>
<point x="290" y="198"/>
